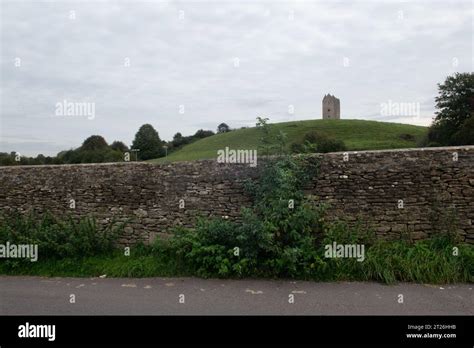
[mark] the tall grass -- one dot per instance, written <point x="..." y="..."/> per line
<point x="59" y="238"/>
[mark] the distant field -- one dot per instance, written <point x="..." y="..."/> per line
<point x="356" y="134"/>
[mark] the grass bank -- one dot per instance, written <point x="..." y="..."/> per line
<point x="356" y="134"/>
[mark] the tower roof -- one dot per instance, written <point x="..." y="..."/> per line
<point x="329" y="96"/>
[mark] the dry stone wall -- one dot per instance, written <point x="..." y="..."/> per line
<point x="402" y="192"/>
<point x="416" y="192"/>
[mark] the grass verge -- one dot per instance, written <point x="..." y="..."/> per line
<point x="429" y="261"/>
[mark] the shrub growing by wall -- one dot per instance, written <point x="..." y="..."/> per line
<point x="59" y="238"/>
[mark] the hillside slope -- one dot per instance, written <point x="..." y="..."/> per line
<point x="356" y="134"/>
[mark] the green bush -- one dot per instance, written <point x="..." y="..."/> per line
<point x="407" y="137"/>
<point x="218" y="247"/>
<point x="313" y="137"/>
<point x="277" y="237"/>
<point x="330" y="145"/>
<point x="59" y="238"/>
<point x="297" y="148"/>
<point x="318" y="142"/>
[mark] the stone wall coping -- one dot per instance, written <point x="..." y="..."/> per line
<point x="416" y="149"/>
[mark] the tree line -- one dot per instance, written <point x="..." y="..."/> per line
<point x="146" y="145"/>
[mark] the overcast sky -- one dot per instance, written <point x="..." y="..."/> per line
<point x="186" y="65"/>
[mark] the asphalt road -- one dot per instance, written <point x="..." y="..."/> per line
<point x="155" y="296"/>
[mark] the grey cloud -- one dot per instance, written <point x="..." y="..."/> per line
<point x="283" y="61"/>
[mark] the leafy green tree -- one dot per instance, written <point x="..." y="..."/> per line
<point x="264" y="129"/>
<point x="6" y="159"/>
<point x="223" y="128"/>
<point x="465" y="135"/>
<point x="70" y="156"/>
<point x="40" y="159"/>
<point x="179" y="140"/>
<point x="119" y="146"/>
<point x="203" y="134"/>
<point x="281" y="140"/>
<point x="148" y="142"/>
<point x="94" y="142"/>
<point x="453" y="124"/>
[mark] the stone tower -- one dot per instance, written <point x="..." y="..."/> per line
<point x="331" y="108"/>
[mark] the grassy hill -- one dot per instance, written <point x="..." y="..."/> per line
<point x="356" y="134"/>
